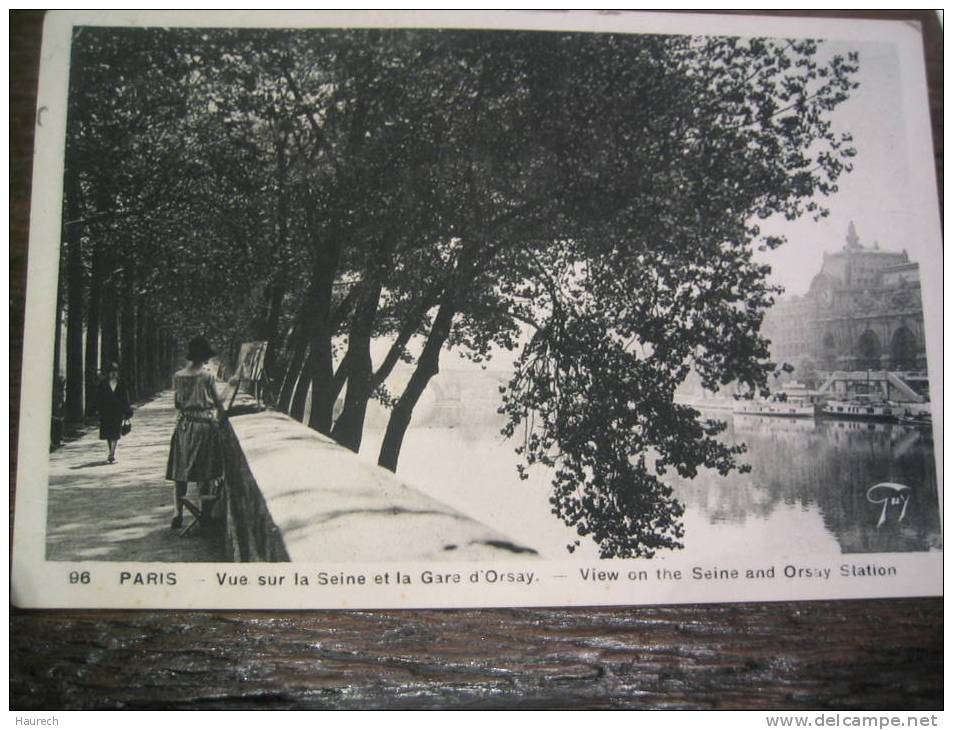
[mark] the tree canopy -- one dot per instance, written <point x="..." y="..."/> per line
<point x="590" y="200"/>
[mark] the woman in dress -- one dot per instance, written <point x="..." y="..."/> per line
<point x="195" y="454"/>
<point x="113" y="404"/>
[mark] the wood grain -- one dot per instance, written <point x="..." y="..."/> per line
<point x="831" y="655"/>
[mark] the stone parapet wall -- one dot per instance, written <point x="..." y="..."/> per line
<point x="250" y="533"/>
<point x="293" y="494"/>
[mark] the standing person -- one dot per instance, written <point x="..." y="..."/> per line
<point x="195" y="454"/>
<point x="114" y="408"/>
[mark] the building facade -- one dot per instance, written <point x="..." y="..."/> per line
<point x="863" y="311"/>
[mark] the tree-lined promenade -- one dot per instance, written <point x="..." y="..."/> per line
<point x="587" y="200"/>
<point x="120" y="512"/>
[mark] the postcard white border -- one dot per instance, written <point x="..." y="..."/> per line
<point x="40" y="583"/>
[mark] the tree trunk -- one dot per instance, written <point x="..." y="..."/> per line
<point x="320" y="355"/>
<point x="321" y="370"/>
<point x="75" y="381"/>
<point x="349" y="428"/>
<point x="168" y="360"/>
<point x="109" y="351"/>
<point x="301" y="386"/>
<point x="299" y="340"/>
<point x="272" y="333"/>
<point x="340" y="376"/>
<point x="428" y="365"/>
<point x="407" y="330"/>
<point x="148" y="354"/>
<point x="127" y="334"/>
<point x="279" y="286"/>
<point x="57" y="332"/>
<point x="158" y="360"/>
<point x="298" y="345"/>
<point x="142" y="387"/>
<point x="147" y="349"/>
<point x="299" y="348"/>
<point x="92" y="333"/>
<point x="297" y="380"/>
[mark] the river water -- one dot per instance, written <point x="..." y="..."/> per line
<point x="811" y="488"/>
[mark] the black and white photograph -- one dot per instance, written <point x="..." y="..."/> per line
<point x="460" y="314"/>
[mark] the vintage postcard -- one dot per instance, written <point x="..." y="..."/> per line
<point x="448" y="309"/>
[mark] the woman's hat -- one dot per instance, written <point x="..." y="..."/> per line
<point x="199" y="349"/>
<point x="111" y="367"/>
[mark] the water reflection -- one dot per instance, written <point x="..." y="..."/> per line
<point x="827" y="467"/>
<point x="807" y="491"/>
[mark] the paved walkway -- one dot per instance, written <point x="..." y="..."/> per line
<point x="121" y="511"/>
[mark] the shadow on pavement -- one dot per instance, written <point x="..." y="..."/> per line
<point x="121" y="511"/>
<point x="88" y="464"/>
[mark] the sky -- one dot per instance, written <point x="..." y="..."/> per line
<point x="875" y="196"/>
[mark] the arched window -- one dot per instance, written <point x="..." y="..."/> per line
<point x="829" y="353"/>
<point x="903" y="349"/>
<point x="868" y="351"/>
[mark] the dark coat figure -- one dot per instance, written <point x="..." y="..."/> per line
<point x="113" y="409"/>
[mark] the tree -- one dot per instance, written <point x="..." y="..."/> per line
<point x="592" y="199"/>
<point x="673" y="286"/>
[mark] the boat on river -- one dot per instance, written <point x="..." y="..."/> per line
<point x="862" y="407"/>
<point x="917" y="420"/>
<point x="793" y="400"/>
<point x="706" y="404"/>
<point x="782" y="408"/>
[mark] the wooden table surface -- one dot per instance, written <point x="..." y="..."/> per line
<point x="836" y="655"/>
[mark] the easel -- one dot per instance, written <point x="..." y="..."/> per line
<point x="251" y="368"/>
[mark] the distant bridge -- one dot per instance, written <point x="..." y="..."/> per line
<point x="843" y="383"/>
